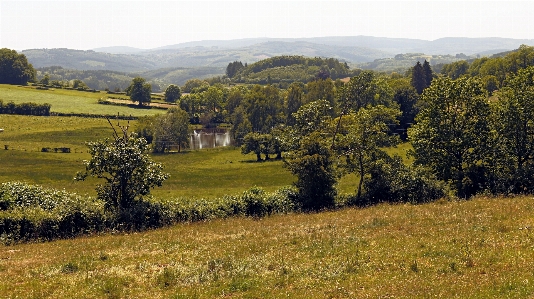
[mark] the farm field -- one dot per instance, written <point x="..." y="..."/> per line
<point x="203" y="173"/>
<point x="68" y="101"/>
<point x="481" y="248"/>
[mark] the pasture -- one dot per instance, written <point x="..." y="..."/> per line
<point x="203" y="173"/>
<point x="69" y="101"/>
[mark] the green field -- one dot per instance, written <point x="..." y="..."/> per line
<point x="482" y="248"/>
<point x="203" y="173"/>
<point x="68" y="101"/>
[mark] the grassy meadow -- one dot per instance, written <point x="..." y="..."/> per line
<point x="204" y="173"/>
<point x="480" y="248"/>
<point x="68" y="101"/>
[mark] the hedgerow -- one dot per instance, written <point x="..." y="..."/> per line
<point x="35" y="213"/>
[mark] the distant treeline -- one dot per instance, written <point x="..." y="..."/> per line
<point x="25" y="108"/>
<point x="287" y="69"/>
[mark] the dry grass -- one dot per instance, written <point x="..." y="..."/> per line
<point x="481" y="248"/>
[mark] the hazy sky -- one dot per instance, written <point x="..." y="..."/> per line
<point x="149" y="24"/>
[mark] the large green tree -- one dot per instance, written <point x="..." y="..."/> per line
<point x="171" y="129"/>
<point x="309" y="156"/>
<point x="172" y="93"/>
<point x="362" y="137"/>
<point x="126" y="168"/>
<point x="419" y="78"/>
<point x="451" y="133"/>
<point x="139" y="91"/>
<point x="514" y="125"/>
<point x="14" y="68"/>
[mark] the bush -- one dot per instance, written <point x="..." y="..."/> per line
<point x="29" y="212"/>
<point x="25" y="109"/>
<point x="392" y="181"/>
<point x="34" y="213"/>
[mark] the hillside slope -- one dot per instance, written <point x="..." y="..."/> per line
<point x="480" y="248"/>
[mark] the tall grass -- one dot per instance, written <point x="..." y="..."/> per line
<point x="480" y="248"/>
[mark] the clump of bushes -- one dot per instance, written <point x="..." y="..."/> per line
<point x="29" y="212"/>
<point x="35" y="213"/>
<point x="25" y="108"/>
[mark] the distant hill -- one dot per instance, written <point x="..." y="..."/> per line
<point x="175" y="63"/>
<point x="351" y="49"/>
<point x="119" y="50"/>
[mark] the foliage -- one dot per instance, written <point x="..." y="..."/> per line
<point x="289" y="69"/>
<point x="390" y="180"/>
<point x="126" y="168"/>
<point x="31" y="212"/>
<point x="25" y="108"/>
<point x="452" y="131"/>
<point x="14" y="68"/>
<point x="362" y="135"/>
<point x="514" y="134"/>
<point x="233" y="68"/>
<point x="363" y="90"/>
<point x="139" y="91"/>
<point x="313" y="164"/>
<point x="172" y="93"/>
<point x="171" y="129"/>
<point x="192" y="84"/>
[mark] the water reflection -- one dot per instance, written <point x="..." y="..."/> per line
<point x="210" y="138"/>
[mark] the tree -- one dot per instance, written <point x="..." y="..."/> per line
<point x="171" y="129"/>
<point x="313" y="164"/>
<point x="456" y="69"/>
<point x="365" y="89"/>
<point x="46" y="80"/>
<point x="139" y="91"/>
<point x="252" y="143"/>
<point x="14" y="68"/>
<point x="233" y="68"/>
<point x="294" y="102"/>
<point x="126" y="168"/>
<point x="452" y="131"/>
<point x="172" y="93"/>
<point x="309" y="157"/>
<point x="320" y="90"/>
<point x="264" y="108"/>
<point x="407" y="98"/>
<point x="362" y="136"/>
<point x="427" y="71"/>
<point x="513" y="123"/>
<point x="192" y="84"/>
<point x="418" y="78"/>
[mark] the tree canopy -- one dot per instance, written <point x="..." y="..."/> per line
<point x="14" y="68"/>
<point x="139" y="91"/>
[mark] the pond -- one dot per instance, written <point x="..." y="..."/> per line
<point x="210" y="138"/>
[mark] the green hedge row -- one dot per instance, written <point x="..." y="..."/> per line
<point x="34" y="213"/>
<point x="25" y="108"/>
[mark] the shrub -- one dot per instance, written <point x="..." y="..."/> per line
<point x="30" y="212"/>
<point x="392" y="181"/>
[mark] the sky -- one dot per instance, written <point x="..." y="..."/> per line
<point x="93" y="24"/>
